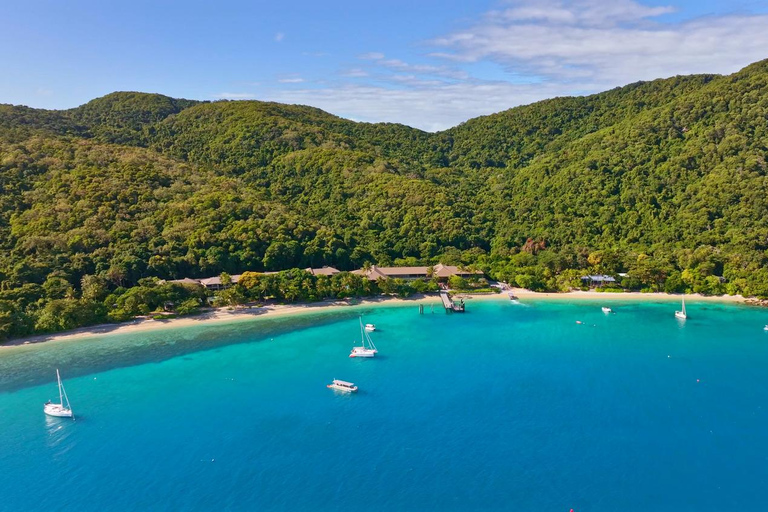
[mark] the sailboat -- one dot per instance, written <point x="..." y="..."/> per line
<point x="60" y="409"/>
<point x="681" y="314"/>
<point x="368" y="349"/>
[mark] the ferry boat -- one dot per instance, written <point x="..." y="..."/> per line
<point x="367" y="348"/>
<point x="370" y="327"/>
<point x="342" y="385"/>
<point x="60" y="410"/>
<point x="607" y="310"/>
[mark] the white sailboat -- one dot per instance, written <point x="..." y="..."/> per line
<point x="368" y="349"/>
<point x="59" y="410"/>
<point x="681" y="314"/>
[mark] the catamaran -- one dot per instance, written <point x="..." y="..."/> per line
<point x="681" y="314"/>
<point x="59" y="410"/>
<point x="368" y="349"/>
<point x="341" y="385"/>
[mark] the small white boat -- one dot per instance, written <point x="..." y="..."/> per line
<point x="367" y="348"/>
<point x="765" y="328"/>
<point x="370" y="327"/>
<point x="607" y="310"/>
<point x="682" y="315"/>
<point x="60" y="410"/>
<point x="341" y="385"/>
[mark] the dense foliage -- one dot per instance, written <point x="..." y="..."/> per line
<point x="664" y="181"/>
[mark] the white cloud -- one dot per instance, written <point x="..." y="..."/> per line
<point x="291" y="80"/>
<point x="355" y="73"/>
<point x="607" y="43"/>
<point x="234" y="96"/>
<point x="279" y="37"/>
<point x="371" y="56"/>
<point x="548" y="48"/>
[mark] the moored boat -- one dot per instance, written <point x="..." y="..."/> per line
<point x="370" y="327"/>
<point x="367" y="348"/>
<point x="682" y="315"/>
<point x="607" y="310"/>
<point x="60" y="410"/>
<point x="342" y="385"/>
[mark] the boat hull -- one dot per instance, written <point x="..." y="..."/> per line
<point x="57" y="411"/>
<point x="343" y="389"/>
<point x="680" y="315"/>
<point x="357" y="352"/>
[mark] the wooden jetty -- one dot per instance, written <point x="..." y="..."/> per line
<point x="450" y="305"/>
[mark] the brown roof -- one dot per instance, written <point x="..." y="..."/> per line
<point x="449" y="270"/>
<point x="186" y="280"/>
<point x="325" y="271"/>
<point x="440" y="270"/>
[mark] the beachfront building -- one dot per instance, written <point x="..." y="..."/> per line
<point x="325" y="271"/>
<point x="211" y="283"/>
<point x="598" y="280"/>
<point x="214" y="283"/>
<point x="439" y="271"/>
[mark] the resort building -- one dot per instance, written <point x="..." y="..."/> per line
<point x="598" y="280"/>
<point x="325" y="271"/>
<point x="214" y="283"/>
<point x="439" y="271"/>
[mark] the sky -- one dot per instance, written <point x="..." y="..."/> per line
<point x="429" y="64"/>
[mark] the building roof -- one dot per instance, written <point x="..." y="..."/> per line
<point x="186" y="280"/>
<point x="325" y="271"/>
<point x="600" y="277"/>
<point x="439" y="270"/>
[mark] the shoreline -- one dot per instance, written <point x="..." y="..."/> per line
<point x="228" y="315"/>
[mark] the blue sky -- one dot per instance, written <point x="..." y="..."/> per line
<point x="430" y="64"/>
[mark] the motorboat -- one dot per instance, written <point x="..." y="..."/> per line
<point x="343" y="386"/>
<point x="607" y="310"/>
<point x="61" y="409"/>
<point x="370" y="327"/>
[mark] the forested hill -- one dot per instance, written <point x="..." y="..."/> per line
<point x="665" y="180"/>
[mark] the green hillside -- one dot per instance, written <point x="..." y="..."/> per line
<point x="664" y="180"/>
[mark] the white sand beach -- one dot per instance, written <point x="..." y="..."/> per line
<point x="228" y="315"/>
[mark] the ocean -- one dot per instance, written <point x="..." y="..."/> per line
<point x="506" y="407"/>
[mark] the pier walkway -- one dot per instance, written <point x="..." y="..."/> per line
<point x="450" y="305"/>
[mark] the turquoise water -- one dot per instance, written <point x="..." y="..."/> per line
<point x="507" y="407"/>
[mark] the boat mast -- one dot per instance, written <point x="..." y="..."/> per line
<point x="61" y="397"/>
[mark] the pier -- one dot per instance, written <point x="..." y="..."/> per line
<point x="450" y="305"/>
